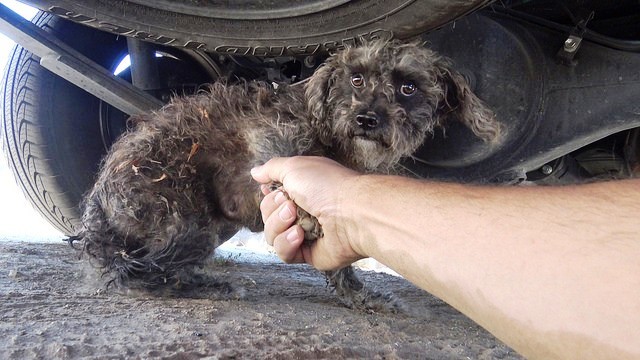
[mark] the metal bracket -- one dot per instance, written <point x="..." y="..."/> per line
<point x="571" y="45"/>
<point x="74" y="67"/>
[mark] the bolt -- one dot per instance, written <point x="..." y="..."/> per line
<point x="309" y="61"/>
<point x="546" y="169"/>
<point x="570" y="44"/>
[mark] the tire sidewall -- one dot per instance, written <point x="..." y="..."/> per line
<point x="52" y="131"/>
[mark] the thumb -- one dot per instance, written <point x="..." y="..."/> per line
<point x="272" y="170"/>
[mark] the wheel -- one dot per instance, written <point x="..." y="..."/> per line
<point x="54" y="134"/>
<point x="250" y="27"/>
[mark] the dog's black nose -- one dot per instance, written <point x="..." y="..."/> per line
<point x="367" y="121"/>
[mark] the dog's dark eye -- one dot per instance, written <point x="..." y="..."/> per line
<point x="357" y="80"/>
<point x="408" y="89"/>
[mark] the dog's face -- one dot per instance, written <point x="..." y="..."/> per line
<point x="376" y="103"/>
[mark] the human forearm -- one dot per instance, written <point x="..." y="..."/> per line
<point x="534" y="265"/>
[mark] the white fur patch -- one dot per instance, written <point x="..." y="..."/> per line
<point x="370" y="151"/>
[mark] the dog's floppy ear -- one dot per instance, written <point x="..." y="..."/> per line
<point x="316" y="96"/>
<point x="460" y="103"/>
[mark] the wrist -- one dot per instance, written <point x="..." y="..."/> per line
<point x="354" y="208"/>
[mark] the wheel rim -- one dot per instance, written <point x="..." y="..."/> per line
<point x="197" y="64"/>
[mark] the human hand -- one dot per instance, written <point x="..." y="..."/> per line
<point x="315" y="184"/>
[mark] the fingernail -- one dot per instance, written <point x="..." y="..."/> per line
<point x="285" y="214"/>
<point x="280" y="198"/>
<point x="254" y="171"/>
<point x="292" y="236"/>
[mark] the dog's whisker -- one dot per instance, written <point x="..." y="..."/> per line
<point x="407" y="170"/>
<point x="419" y="160"/>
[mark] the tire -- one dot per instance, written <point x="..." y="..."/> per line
<point x="261" y="28"/>
<point x="55" y="134"/>
<point x="49" y="129"/>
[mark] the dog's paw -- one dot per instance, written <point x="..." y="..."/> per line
<point x="275" y="185"/>
<point x="371" y="301"/>
<point x="355" y="295"/>
<point x="309" y="223"/>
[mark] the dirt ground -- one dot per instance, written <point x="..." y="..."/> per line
<point x="52" y="307"/>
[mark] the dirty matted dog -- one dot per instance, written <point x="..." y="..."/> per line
<point x="171" y="187"/>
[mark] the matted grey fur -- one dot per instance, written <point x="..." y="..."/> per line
<point x="169" y="187"/>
